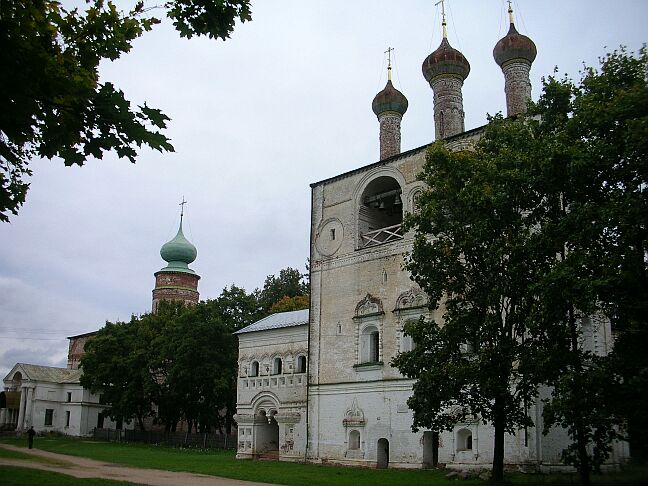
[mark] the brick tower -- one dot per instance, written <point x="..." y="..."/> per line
<point x="446" y="69"/>
<point x="389" y="106"/>
<point x="176" y="281"/>
<point x="515" y="53"/>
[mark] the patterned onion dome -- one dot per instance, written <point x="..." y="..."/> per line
<point x="445" y="60"/>
<point x="514" y="46"/>
<point x="179" y="251"/>
<point x="389" y="99"/>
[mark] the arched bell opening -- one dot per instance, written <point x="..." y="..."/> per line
<point x="380" y="213"/>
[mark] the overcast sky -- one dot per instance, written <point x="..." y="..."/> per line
<point x="254" y="120"/>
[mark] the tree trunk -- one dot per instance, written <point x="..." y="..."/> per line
<point x="498" y="448"/>
<point x="140" y="420"/>
<point x="583" y="457"/>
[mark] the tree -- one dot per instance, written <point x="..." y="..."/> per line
<point x="116" y="365"/>
<point x="236" y="307"/>
<point x="287" y="304"/>
<point x="288" y="284"/>
<point x="548" y="217"/>
<point x="195" y="358"/>
<point x="473" y="256"/>
<point x="596" y="220"/>
<point x="52" y="101"/>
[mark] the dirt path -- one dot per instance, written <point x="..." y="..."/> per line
<point x="81" y="467"/>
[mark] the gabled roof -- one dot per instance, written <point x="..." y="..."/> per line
<point x="32" y="372"/>
<point x="277" y="321"/>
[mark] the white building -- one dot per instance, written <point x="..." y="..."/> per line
<point x="361" y="297"/>
<point x="51" y="400"/>
<point x="271" y="395"/>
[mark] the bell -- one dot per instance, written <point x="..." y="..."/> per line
<point x="381" y="205"/>
<point x="397" y="200"/>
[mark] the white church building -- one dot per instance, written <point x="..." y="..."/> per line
<point x="317" y="385"/>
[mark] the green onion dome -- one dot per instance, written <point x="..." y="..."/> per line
<point x="389" y="99"/>
<point x="178" y="253"/>
<point x="445" y="60"/>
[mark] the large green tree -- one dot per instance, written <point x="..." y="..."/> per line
<point x="53" y="103"/>
<point x="116" y="365"/>
<point x="473" y="256"/>
<point x="183" y="359"/>
<point x="548" y="215"/>
<point x="595" y="179"/>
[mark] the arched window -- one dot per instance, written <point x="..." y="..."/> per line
<point x="464" y="440"/>
<point x="254" y="369"/>
<point x="380" y="213"/>
<point x="276" y="366"/>
<point x="370" y="345"/>
<point x="354" y="440"/>
<point x="301" y="364"/>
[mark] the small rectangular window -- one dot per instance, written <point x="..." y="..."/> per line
<point x="100" y="421"/>
<point x="69" y="397"/>
<point x="67" y="418"/>
<point x="332" y="234"/>
<point x="49" y="416"/>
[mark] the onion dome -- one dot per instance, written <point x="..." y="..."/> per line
<point x="514" y="46"/>
<point x="389" y="99"/>
<point x="178" y="253"/>
<point x="445" y="60"/>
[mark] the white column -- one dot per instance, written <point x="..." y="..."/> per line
<point x="29" y="406"/>
<point x="21" y="409"/>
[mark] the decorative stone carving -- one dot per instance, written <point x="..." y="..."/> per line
<point x="369" y="306"/>
<point x="410" y="299"/>
<point x="354" y="416"/>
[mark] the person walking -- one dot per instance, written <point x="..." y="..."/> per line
<point x="30" y="436"/>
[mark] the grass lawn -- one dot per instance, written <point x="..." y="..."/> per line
<point x="18" y="476"/>
<point x="223" y="463"/>
<point x="7" y="454"/>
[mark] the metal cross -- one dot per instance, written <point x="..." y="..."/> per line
<point x="388" y="52"/>
<point x="442" y="2"/>
<point x="182" y="208"/>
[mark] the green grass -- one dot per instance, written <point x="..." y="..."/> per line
<point x="7" y="454"/>
<point x="18" y="476"/>
<point x="223" y="463"/>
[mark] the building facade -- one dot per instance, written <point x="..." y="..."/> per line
<point x="361" y="299"/>
<point x="51" y="400"/>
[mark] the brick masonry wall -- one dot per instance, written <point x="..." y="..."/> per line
<point x="517" y="86"/>
<point x="178" y="286"/>
<point x="390" y="134"/>
<point x="448" y="106"/>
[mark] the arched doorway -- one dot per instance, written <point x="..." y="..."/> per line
<point x="266" y="443"/>
<point x="430" y="449"/>
<point x="382" y="454"/>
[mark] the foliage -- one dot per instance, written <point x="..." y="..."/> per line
<point x="289" y="283"/>
<point x="116" y="365"/>
<point x="286" y="304"/>
<point x="596" y="220"/>
<point x="182" y="359"/>
<point x="537" y="237"/>
<point x="52" y="101"/>
<point x="477" y="270"/>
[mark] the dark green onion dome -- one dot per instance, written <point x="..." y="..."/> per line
<point x="445" y="60"/>
<point x="514" y="46"/>
<point x="178" y="253"/>
<point x="389" y="99"/>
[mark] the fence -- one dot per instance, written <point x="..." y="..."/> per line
<point x="173" y="439"/>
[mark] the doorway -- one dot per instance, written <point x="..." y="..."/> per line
<point x="383" y="454"/>
<point x="430" y="449"/>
